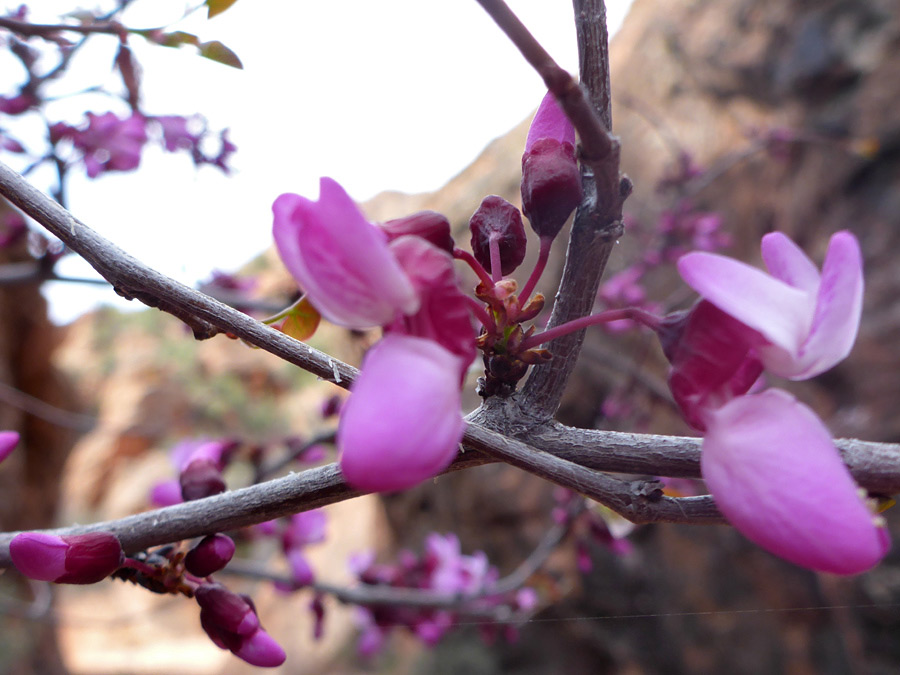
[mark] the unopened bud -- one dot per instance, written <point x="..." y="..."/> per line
<point x="551" y="181"/>
<point x="210" y="555"/>
<point x="429" y="225"/>
<point x="226" y="610"/>
<point x="497" y="219"/>
<point x="201" y="478"/>
<point x="74" y="559"/>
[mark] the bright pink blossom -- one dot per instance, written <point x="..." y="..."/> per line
<point x="340" y="259"/>
<point x="809" y="320"/>
<point x="74" y="559"/>
<point x="774" y="472"/>
<point x="402" y="423"/>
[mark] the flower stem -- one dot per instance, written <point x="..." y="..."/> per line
<point x="482" y="315"/>
<point x="538" y="270"/>
<point x="637" y="315"/>
<point x="494" y="245"/>
<point x="476" y="266"/>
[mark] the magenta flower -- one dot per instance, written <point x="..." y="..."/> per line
<point x="809" y="321"/>
<point x="8" y="442"/>
<point x="402" y="423"/>
<point x="109" y="143"/>
<point x="340" y="259"/>
<point x="75" y="559"/>
<point x="774" y="472"/>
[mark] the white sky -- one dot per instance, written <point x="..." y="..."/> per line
<point x="393" y="95"/>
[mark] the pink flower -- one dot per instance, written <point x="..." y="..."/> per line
<point x="340" y="259"/>
<point x="75" y="559"/>
<point x="774" y="472"/>
<point x="109" y="143"/>
<point x="8" y="442"/>
<point x="402" y="423"/>
<point x="809" y="321"/>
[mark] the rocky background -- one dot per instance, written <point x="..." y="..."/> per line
<point x="710" y="78"/>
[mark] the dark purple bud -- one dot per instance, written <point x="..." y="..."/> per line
<point x="210" y="555"/>
<point x="429" y="225"/>
<point x="75" y="559"/>
<point x="551" y="185"/>
<point x="332" y="406"/>
<point x="226" y="611"/>
<point x="201" y="478"/>
<point x="497" y="219"/>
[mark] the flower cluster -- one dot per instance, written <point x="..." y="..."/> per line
<point x="361" y="275"/>
<point x="442" y="569"/>
<point x="767" y="459"/>
<point x="108" y="142"/>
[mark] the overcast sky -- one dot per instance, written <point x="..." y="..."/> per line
<point x="393" y="95"/>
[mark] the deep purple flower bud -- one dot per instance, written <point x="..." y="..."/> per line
<point x="201" y="478"/>
<point x="332" y="406"/>
<point x="551" y="181"/>
<point x="8" y="442"/>
<point x="317" y="607"/>
<point x="16" y="105"/>
<point x="210" y="555"/>
<point x="431" y="226"/>
<point x="75" y="559"/>
<point x="496" y="218"/>
<point x="231" y="623"/>
<point x="226" y="610"/>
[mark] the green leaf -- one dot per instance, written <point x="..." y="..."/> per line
<point x="216" y="7"/>
<point x="302" y="322"/>
<point x="216" y="51"/>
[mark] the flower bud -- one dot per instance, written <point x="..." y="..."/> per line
<point x="226" y="610"/>
<point x="74" y="559"/>
<point x="231" y="623"/>
<point x="431" y="226"/>
<point x="551" y="181"/>
<point x="201" y="478"/>
<point x="497" y="219"/>
<point x="210" y="555"/>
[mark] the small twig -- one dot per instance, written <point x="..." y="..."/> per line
<point x="42" y="30"/>
<point x="43" y="410"/>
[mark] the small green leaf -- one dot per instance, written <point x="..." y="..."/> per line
<point x="216" y="51"/>
<point x="302" y="322"/>
<point x="216" y="7"/>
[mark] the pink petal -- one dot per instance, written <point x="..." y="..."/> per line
<point x="341" y="260"/>
<point x="774" y="472"/>
<point x="787" y="262"/>
<point x="402" y="423"/>
<point x="39" y="556"/>
<point x="260" y="649"/>
<point x="550" y="122"/>
<point x="838" y="309"/>
<point x="783" y="314"/>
